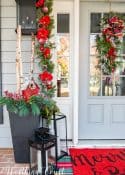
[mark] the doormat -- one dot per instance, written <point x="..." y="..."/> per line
<point x="98" y="161"/>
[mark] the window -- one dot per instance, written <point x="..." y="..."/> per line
<point x="63" y="54"/>
<point x="101" y="84"/>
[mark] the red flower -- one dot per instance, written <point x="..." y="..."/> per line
<point x="39" y="3"/>
<point x="46" y="52"/>
<point x="107" y="31"/>
<point x="45" y="20"/>
<point x="30" y="91"/>
<point x="112" y="52"/>
<point x="114" y="19"/>
<point x="42" y="34"/>
<point x="45" y="76"/>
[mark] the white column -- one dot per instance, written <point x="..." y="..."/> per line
<point x="76" y="73"/>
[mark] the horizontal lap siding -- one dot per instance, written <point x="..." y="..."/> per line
<point x="8" y="26"/>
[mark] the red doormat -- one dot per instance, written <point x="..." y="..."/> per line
<point x="98" y="161"/>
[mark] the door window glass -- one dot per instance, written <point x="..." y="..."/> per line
<point x="63" y="54"/>
<point x="101" y="84"/>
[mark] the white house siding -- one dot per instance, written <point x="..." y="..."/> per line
<point x="8" y="26"/>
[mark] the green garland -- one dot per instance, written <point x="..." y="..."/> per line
<point x="109" y="42"/>
<point x="44" y="52"/>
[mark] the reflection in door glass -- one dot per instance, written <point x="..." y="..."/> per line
<point x="95" y="77"/>
<point x="93" y="50"/>
<point x="63" y="54"/>
<point x="95" y="19"/>
<point x="107" y="86"/>
<point x="62" y="66"/>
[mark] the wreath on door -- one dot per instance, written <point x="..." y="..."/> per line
<point x="109" y="42"/>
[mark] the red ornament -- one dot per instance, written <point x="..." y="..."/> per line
<point x="45" y="9"/>
<point x="41" y="48"/>
<point x="45" y="20"/>
<point x="45" y="76"/>
<point x="42" y="34"/>
<point x="39" y="3"/>
<point x="31" y="90"/>
<point x="46" y="52"/>
<point x="112" y="52"/>
<point x="42" y="41"/>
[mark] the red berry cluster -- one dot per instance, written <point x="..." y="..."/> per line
<point x="14" y="96"/>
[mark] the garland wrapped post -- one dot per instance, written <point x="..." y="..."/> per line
<point x="109" y="42"/>
<point x="44" y="53"/>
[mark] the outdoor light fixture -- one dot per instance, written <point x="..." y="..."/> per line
<point x="26" y="16"/>
<point x="40" y="149"/>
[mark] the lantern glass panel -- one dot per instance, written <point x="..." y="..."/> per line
<point x="26" y="16"/>
<point x="33" y="160"/>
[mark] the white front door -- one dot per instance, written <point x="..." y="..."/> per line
<point x="101" y="109"/>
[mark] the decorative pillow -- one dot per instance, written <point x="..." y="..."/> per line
<point x="98" y="161"/>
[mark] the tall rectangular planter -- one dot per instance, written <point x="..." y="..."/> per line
<point x="21" y="129"/>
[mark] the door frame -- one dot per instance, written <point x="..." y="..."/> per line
<point x="114" y="5"/>
<point x="76" y="71"/>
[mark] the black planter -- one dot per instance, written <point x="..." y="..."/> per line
<point x="21" y="129"/>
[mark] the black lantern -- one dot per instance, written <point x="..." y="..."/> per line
<point x="26" y="16"/>
<point x="40" y="146"/>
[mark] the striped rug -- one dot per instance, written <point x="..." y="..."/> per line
<point x="65" y="165"/>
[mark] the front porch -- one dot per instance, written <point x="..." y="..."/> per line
<point x="8" y="165"/>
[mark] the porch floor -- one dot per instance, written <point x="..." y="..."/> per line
<point x="8" y="165"/>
